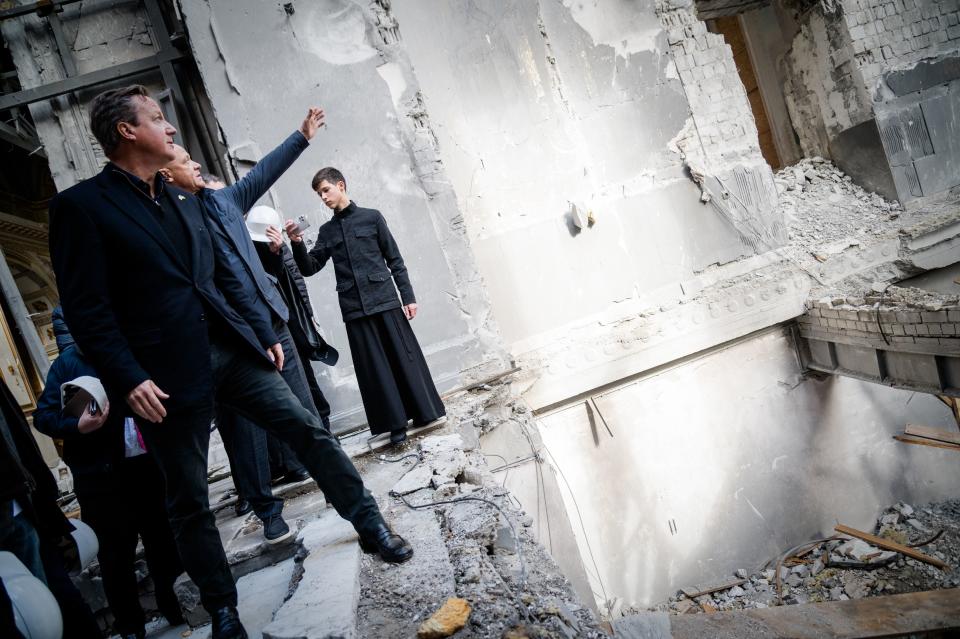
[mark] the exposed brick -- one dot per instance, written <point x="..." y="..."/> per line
<point x="898" y="329"/>
<point x="933" y="317"/>
<point x="865" y="316"/>
<point x="910" y="329"/>
<point x="948" y="329"/>
<point x="849" y="315"/>
<point x="908" y="317"/>
<point x="833" y="314"/>
<point x="902" y="340"/>
<point x="923" y="329"/>
<point x="888" y="316"/>
<point x="934" y="329"/>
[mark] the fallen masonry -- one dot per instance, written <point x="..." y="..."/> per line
<point x="844" y="568"/>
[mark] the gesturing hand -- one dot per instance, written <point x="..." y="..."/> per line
<point x="275" y="353"/>
<point x="145" y="401"/>
<point x="410" y="311"/>
<point x="89" y="423"/>
<point x="276" y="240"/>
<point x="313" y="121"/>
<point x="293" y="231"/>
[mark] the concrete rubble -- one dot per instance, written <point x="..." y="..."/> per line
<point x="842" y="569"/>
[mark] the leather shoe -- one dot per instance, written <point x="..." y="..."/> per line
<point x="391" y="547"/>
<point x="242" y="507"/>
<point x="226" y="624"/>
<point x="398" y="436"/>
<point x="294" y="477"/>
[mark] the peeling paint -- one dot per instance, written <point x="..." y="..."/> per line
<point x="629" y="26"/>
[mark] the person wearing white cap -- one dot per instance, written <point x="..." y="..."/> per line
<point x="118" y="486"/>
<point x="167" y="325"/>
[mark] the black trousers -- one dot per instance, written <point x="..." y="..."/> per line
<point x="122" y="506"/>
<point x="393" y="377"/>
<point x="247" y="384"/>
<point x="254" y="454"/>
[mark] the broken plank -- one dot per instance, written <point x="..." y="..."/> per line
<point x="928" y="432"/>
<point x="886" y="544"/>
<point x="693" y="593"/>
<point x="909" y="439"/>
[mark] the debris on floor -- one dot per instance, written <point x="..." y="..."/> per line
<point x="451" y="617"/>
<point x="841" y="568"/>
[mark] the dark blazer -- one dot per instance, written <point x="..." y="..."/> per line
<point x="227" y="207"/>
<point x="365" y="257"/>
<point x="136" y="310"/>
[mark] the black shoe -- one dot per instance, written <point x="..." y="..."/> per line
<point x="275" y="529"/>
<point x="398" y="436"/>
<point x="242" y="507"/>
<point x="294" y="477"/>
<point x="391" y="546"/>
<point x="226" y="624"/>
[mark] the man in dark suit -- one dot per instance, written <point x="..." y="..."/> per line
<point x="171" y="332"/>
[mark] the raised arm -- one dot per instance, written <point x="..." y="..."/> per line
<point x="308" y="262"/>
<point x="245" y="193"/>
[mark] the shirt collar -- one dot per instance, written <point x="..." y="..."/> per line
<point x="347" y="210"/>
<point x="137" y="183"/>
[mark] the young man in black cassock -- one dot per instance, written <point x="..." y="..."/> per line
<point x="394" y="380"/>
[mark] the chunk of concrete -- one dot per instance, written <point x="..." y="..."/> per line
<point x="650" y="625"/>
<point x="325" y="601"/>
<point x="417" y="478"/>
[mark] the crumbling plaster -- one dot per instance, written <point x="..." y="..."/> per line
<point x="348" y="57"/>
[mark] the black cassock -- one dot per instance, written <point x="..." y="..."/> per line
<point x="394" y="380"/>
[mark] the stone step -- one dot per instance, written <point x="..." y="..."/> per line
<point x="324" y="603"/>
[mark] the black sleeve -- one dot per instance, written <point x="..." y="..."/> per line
<point x="391" y="255"/>
<point x="312" y="262"/>
<point x="79" y="264"/>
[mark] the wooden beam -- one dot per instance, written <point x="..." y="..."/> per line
<point x="886" y="544"/>
<point x="922" y="441"/>
<point x="693" y="593"/>
<point x="928" y="432"/>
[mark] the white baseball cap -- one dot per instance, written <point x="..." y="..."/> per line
<point x="258" y="219"/>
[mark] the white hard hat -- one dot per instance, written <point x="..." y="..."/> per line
<point x="258" y="219"/>
<point x="35" y="612"/>
<point x="76" y="394"/>
<point x="87" y="543"/>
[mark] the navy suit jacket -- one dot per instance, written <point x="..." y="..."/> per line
<point x="135" y="309"/>
<point x="227" y="208"/>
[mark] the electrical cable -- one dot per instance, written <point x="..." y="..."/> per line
<point x="456" y="500"/>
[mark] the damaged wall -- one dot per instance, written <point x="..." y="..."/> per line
<point x="671" y="497"/>
<point x="99" y="34"/>
<point x="540" y="106"/>
<point x="857" y="76"/>
<point x="263" y="66"/>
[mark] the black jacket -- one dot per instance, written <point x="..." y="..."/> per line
<point x="85" y="454"/>
<point x="365" y="256"/>
<point x="135" y="308"/>
<point x="23" y="474"/>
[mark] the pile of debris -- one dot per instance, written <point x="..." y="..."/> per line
<point x="842" y="568"/>
<point x="820" y="204"/>
<point x="892" y="298"/>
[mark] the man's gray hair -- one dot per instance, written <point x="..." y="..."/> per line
<point x="109" y="109"/>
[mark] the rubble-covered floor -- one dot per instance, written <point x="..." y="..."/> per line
<point x="843" y="569"/>
<point x="481" y="551"/>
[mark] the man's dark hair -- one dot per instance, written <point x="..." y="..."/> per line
<point x="329" y="174"/>
<point x="109" y="109"/>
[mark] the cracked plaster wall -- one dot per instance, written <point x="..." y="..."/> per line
<point x="262" y="67"/>
<point x="540" y="105"/>
<point x="100" y="34"/>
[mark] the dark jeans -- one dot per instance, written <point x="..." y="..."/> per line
<point x="17" y="535"/>
<point x="246" y="446"/>
<point x="246" y="383"/>
<point x="123" y="506"/>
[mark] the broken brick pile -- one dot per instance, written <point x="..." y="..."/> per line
<point x="898" y="318"/>
<point x="841" y="569"/>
